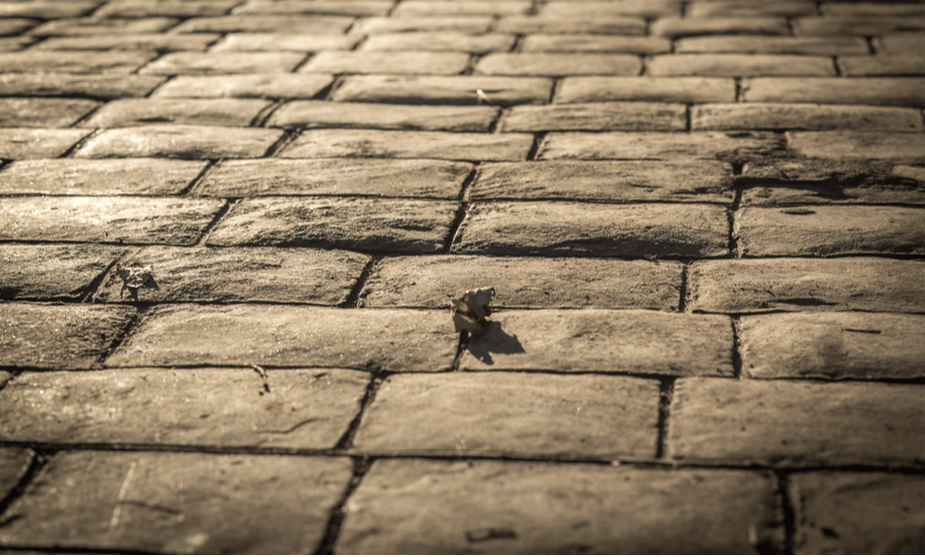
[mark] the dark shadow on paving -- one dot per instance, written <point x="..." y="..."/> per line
<point x="494" y="341"/>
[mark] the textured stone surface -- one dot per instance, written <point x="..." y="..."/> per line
<point x="176" y="8"/>
<point x="64" y="84"/>
<point x="676" y="26"/>
<point x="210" y="63"/>
<point x="28" y="143"/>
<point x="134" y="220"/>
<point x="864" y="66"/>
<point x="897" y="147"/>
<point x="845" y="512"/>
<point x="651" y="89"/>
<point x="833" y="345"/>
<point x="452" y="41"/>
<point x="428" y="7"/>
<point x="780" y="116"/>
<point x="87" y="26"/>
<point x="99" y="177"/>
<point x="344" y="7"/>
<point x="160" y="42"/>
<point x="76" y="62"/>
<point x="13" y="465"/>
<point x="271" y="86"/>
<point x="275" y="42"/>
<point x="537" y="507"/>
<point x="603" y="24"/>
<point x="389" y="62"/>
<point x="594" y="43"/>
<point x="367" y="177"/>
<point x="410" y="145"/>
<point x="239" y="275"/>
<point x="553" y="64"/>
<point x="506" y="414"/>
<point x="525" y="282"/>
<point x="275" y="336"/>
<point x="182" y="142"/>
<point x="232" y="407"/>
<point x="629" y="341"/>
<point x="613" y="181"/>
<point x="178" y="503"/>
<point x="52" y="272"/>
<point x="459" y="89"/>
<point x="323" y="114"/>
<point x="472" y="24"/>
<point x="790" y="423"/>
<point x="829" y="230"/>
<point x="643" y="8"/>
<point x="725" y="146"/>
<point x="596" y="117"/>
<point x="307" y="25"/>
<point x="202" y="112"/>
<point x="822" y="46"/>
<point x="882" y="91"/>
<point x="739" y="65"/>
<point x="53" y="336"/>
<point x="43" y="113"/>
<point x="400" y="225"/>
<point x="854" y="25"/>
<point x="529" y="228"/>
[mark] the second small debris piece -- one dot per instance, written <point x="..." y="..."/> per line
<point x="470" y="313"/>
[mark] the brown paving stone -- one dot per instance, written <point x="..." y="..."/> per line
<point x="739" y="65"/>
<point x="52" y="272"/>
<point x="596" y="117"/>
<point x="15" y="26"/>
<point x="613" y="181"/>
<point x="625" y="341"/>
<point x="183" y="142"/>
<point x="650" y="89"/>
<point x="792" y="423"/>
<point x="160" y="42"/>
<point x="14" y="462"/>
<point x="850" y="512"/>
<point x="74" y="62"/>
<point x="892" y="146"/>
<point x="677" y="27"/>
<point x="239" y="275"/>
<point x="47" y="10"/>
<point x="73" y="336"/>
<point x="821" y="231"/>
<point x="739" y="8"/>
<point x="537" y="507"/>
<point x="311" y="24"/>
<point x="92" y="177"/>
<point x="507" y="414"/>
<point x="277" y="336"/>
<point x="773" y="45"/>
<point x="473" y="24"/>
<point x="855" y="25"/>
<point x="725" y="146"/>
<point x="409" y="145"/>
<point x="43" y="113"/>
<point x="878" y="9"/>
<point x="552" y="64"/>
<point x="642" y="8"/>
<point x="232" y="407"/>
<point x="403" y="225"/>
<point x="63" y="84"/>
<point x="5" y="378"/>
<point x="212" y="63"/>
<point x="179" y="503"/>
<point x="470" y="7"/>
<point x="566" y="229"/>
<point x="783" y="116"/>
<point x="386" y="62"/>
<point x="29" y="143"/>
<point x="10" y="44"/>
<point x="275" y="42"/>
<point x="201" y="112"/>
<point x="461" y="89"/>
<point x="605" y="24"/>
<point x="335" y="7"/>
<point x="86" y="26"/>
<point x="453" y="41"/>
<point x="324" y="114"/>
<point x="367" y="177"/>
<point x="273" y="86"/>
<point x="884" y="65"/>
<point x="856" y="283"/>
<point x="903" y="43"/>
<point x="174" y="8"/>
<point x="895" y="91"/>
<point x="525" y="282"/>
<point x="594" y="43"/>
<point x="837" y="345"/>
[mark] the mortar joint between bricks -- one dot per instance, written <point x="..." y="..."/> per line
<point x="229" y="203"/>
<point x="789" y="510"/>
<point x="38" y="461"/>
<point x="83" y="141"/>
<point x="361" y="466"/>
<point x="737" y="369"/>
<point x="376" y="378"/>
<point x="97" y="281"/>
<point x="354" y="298"/>
<point x="665" y="398"/>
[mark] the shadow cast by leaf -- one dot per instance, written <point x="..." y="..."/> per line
<point x="494" y="340"/>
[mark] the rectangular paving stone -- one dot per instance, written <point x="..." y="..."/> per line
<point x="569" y="229"/>
<point x="844" y="284"/>
<point x="386" y="62"/>
<point x="746" y="8"/>
<point x="52" y="272"/>
<point x="355" y="223"/>
<point x="367" y="177"/>
<point x="471" y="24"/>
<point x="646" y="88"/>
<point x="796" y="423"/>
<point x="15" y="26"/>
<point x="133" y="220"/>
<point x="608" y="181"/>
<point x="557" y="64"/>
<point x="176" y="8"/>
<point x="71" y="336"/>
<point x="490" y="506"/>
<point x="458" y="89"/>
<point x="99" y="177"/>
<point x="676" y="27"/>
<point x="783" y="116"/>
<point x="608" y="341"/>
<point x="343" y="7"/>
<point x="879" y="91"/>
<point x="233" y="407"/>
<point x="88" y="26"/>
<point x="48" y="9"/>
<point x="898" y="8"/>
<point x="725" y="146"/>
<point x="511" y="414"/>
<point x="492" y="7"/>
<point x="821" y="231"/>
<point x="179" y="502"/>
<point x="892" y="146"/>
<point x="65" y="85"/>
<point x="852" y="512"/>
<point x="43" y="113"/>
<point x="452" y="41"/>
<point x="272" y="86"/>
<point x="855" y="25"/>
<point x="324" y="114"/>
<point x="309" y="25"/>
<point x="900" y="43"/>
<point x="11" y="44"/>
<point x="237" y="275"/>
<point x="202" y="112"/>
<point x="649" y="9"/>
<point x="409" y="145"/>
<point x="288" y="336"/>
<point x="757" y="44"/>
<point x="212" y="63"/>
<point x="30" y="143"/>
<point x="14" y="462"/>
<point x="524" y="282"/>
<point x="830" y="345"/>
<point x="596" y="117"/>
<point x="76" y="62"/>
<point x="276" y="42"/>
<point x="160" y="42"/>
<point x="739" y="65"/>
<point x="886" y="65"/>
<point x="540" y="42"/>
<point x="603" y="24"/>
<point x="182" y="142"/>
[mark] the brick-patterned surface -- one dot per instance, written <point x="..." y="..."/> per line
<point x="231" y="231"/>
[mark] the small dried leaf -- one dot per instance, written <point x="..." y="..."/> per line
<point x="470" y="312"/>
<point x="479" y="301"/>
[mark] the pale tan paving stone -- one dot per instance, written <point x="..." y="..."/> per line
<point x="99" y="177"/>
<point x="646" y="88"/>
<point x="203" y="112"/>
<point x="452" y="41"/>
<point x="462" y="89"/>
<point x="272" y="86"/>
<point x="77" y="62"/>
<point x="43" y="113"/>
<point x="15" y="26"/>
<point x="52" y="272"/>
<point x="212" y="63"/>
<point x="325" y="114"/>
<point x="603" y="24"/>
<point x="160" y="42"/>
<point x="642" y="8"/>
<point x="471" y="24"/>
<point x="310" y="24"/>
<point x="882" y="91"/>
<point x="275" y="42"/>
<point x="596" y="117"/>
<point x="677" y="27"/>
<point x="473" y="7"/>
<point x="174" y="8"/>
<point x="63" y="84"/>
<point x="48" y="9"/>
<point x="759" y="44"/>
<point x="14" y="462"/>
<point x="386" y="62"/>
<point x="855" y="25"/>
<point x="30" y="143"/>
<point x="557" y="64"/>
<point x="89" y="26"/>
<point x="738" y="8"/>
<point x="882" y="65"/>
<point x="704" y="145"/>
<point x="333" y="7"/>
<point x="739" y="65"/>
<point x="815" y="117"/>
<point x="594" y="43"/>
<point x="182" y="142"/>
